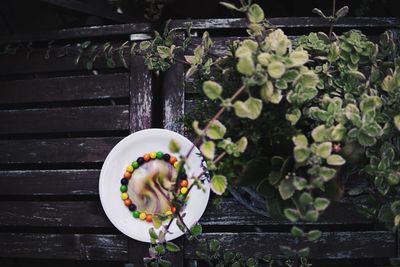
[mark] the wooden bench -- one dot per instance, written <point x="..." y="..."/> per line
<point x="58" y="121"/>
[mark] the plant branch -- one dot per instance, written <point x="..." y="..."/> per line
<point x="333" y="18"/>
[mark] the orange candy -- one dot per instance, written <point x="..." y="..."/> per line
<point x="127" y="175"/>
<point x="173" y="209"/>
<point x="184" y="183"/>
<point x="172" y="160"/>
<point x="149" y="218"/>
<point x="146" y="157"/>
<point x="127" y="202"/>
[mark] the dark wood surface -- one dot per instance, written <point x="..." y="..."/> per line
<point x="58" y="121"/>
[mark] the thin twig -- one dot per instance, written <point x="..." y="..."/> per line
<point x="181" y="61"/>
<point x="333" y="16"/>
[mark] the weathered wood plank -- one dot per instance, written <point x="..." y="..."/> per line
<point x="65" y="88"/>
<point x="174" y="98"/>
<point x="290" y="22"/>
<point x="229" y="212"/>
<point x="53" y="214"/>
<point x="80" y="33"/>
<point x="49" y="182"/>
<point x="64" y="246"/>
<point x="71" y="150"/>
<point x="141" y="95"/>
<point x="332" y="245"/>
<point x="75" y="119"/>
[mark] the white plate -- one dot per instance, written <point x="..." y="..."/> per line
<point x="122" y="155"/>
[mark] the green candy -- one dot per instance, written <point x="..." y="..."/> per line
<point x="135" y="164"/>
<point x="136" y="214"/>
<point x="159" y="155"/>
<point x="123" y="188"/>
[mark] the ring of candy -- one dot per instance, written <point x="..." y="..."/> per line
<point x="182" y="189"/>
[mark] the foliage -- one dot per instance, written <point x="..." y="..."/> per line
<point x="308" y="110"/>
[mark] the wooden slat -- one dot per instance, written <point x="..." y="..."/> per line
<point x="79" y="33"/>
<point x="65" y="88"/>
<point x="332" y="245"/>
<point x="141" y="95"/>
<point x="174" y="99"/>
<point x="76" y="119"/>
<point x="63" y="246"/>
<point x="49" y="182"/>
<point x="290" y="22"/>
<point x="53" y="214"/>
<point x="229" y="212"/>
<point x="71" y="150"/>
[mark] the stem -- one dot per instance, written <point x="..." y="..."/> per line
<point x="181" y="61"/>
<point x="333" y="16"/>
<point x="216" y="116"/>
<point x="183" y="223"/>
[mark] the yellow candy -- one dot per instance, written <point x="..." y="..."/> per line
<point x="153" y="155"/>
<point x="176" y="165"/>
<point x="168" y="212"/>
<point x="142" y="216"/>
<point x="124" y="196"/>
<point x="129" y="169"/>
<point x="184" y="190"/>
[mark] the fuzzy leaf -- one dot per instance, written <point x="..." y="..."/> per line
<point x="251" y="108"/>
<point x="276" y="69"/>
<point x="342" y="12"/>
<point x="174" y="147"/>
<point x="286" y="188"/>
<point x="216" y="130"/>
<point x="163" y="51"/>
<point x="212" y="89"/>
<point x="324" y="150"/>
<point x="300" y="140"/>
<point x="172" y="247"/>
<point x="298" y="58"/>
<point x="242" y="144"/>
<point x="292" y="214"/>
<point x="319" y="133"/>
<point x="335" y="160"/>
<point x="314" y="235"/>
<point x="245" y="66"/>
<point x="301" y="154"/>
<point x="218" y="184"/>
<point x="326" y="173"/>
<point x="396" y="121"/>
<point x="321" y="204"/>
<point x="255" y="14"/>
<point x="208" y="149"/>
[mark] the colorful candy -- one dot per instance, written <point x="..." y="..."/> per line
<point x="128" y="174"/>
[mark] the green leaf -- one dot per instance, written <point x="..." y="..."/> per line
<point x="300" y="140"/>
<point x="396" y="121"/>
<point x="264" y="59"/>
<point x="326" y="173"/>
<point x="319" y="12"/>
<point x="229" y="6"/>
<point x="163" y="51"/>
<point x="218" y="184"/>
<point x="335" y="160"/>
<point x="338" y="133"/>
<point x="242" y="144"/>
<point x="276" y="69"/>
<point x="286" y="188"/>
<point x="296" y="231"/>
<point x="196" y="230"/>
<point x="319" y="133"/>
<point x="373" y="129"/>
<point x="304" y="252"/>
<point x="208" y="149"/>
<point x="243" y="51"/>
<point x="144" y="45"/>
<point x="324" y="150"/>
<point x="172" y="247"/>
<point x="251" y="108"/>
<point x="165" y="263"/>
<point x="314" y="235"/>
<point x="212" y="89"/>
<point x="152" y="233"/>
<point x="342" y="12"/>
<point x="214" y="245"/>
<point x="156" y="221"/>
<point x="312" y="215"/>
<point x="305" y="198"/>
<point x="216" y="130"/>
<point x="294" y="116"/>
<point x="255" y="13"/>
<point x="357" y="74"/>
<point x="298" y="58"/>
<point x="292" y="214"/>
<point x="321" y="204"/>
<point x="245" y="66"/>
<point x="160" y="249"/>
<point x="174" y="147"/>
<point x="251" y="262"/>
<point x="301" y="154"/>
<point x="365" y="140"/>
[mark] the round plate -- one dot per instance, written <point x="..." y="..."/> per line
<point x="122" y="155"/>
